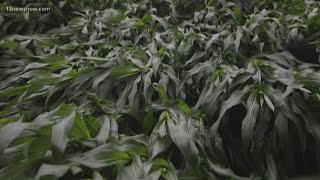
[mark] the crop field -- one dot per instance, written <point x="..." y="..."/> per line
<point x="160" y="90"/>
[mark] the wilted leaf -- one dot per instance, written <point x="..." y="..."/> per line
<point x="250" y="119"/>
<point x="9" y="133"/>
<point x="53" y="170"/>
<point x="61" y="131"/>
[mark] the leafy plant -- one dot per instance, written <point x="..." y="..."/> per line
<point x="160" y="89"/>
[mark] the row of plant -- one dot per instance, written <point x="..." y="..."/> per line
<point x="162" y="89"/>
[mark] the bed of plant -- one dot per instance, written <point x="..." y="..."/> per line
<point x="160" y="89"/>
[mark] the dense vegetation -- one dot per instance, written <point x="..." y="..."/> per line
<point x="160" y="89"/>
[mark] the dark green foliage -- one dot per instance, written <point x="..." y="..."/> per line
<point x="160" y="89"/>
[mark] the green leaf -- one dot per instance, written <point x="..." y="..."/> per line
<point x="162" y="92"/>
<point x="9" y="44"/>
<point x="93" y="125"/>
<point x="148" y="121"/>
<point x="87" y="90"/>
<point x="105" y="155"/>
<point x="80" y="129"/>
<point x="113" y="156"/>
<point x="239" y="16"/>
<point x="19" y="170"/>
<point x="184" y="107"/>
<point x="120" y="72"/>
<point x="39" y="146"/>
<point x="13" y="91"/>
